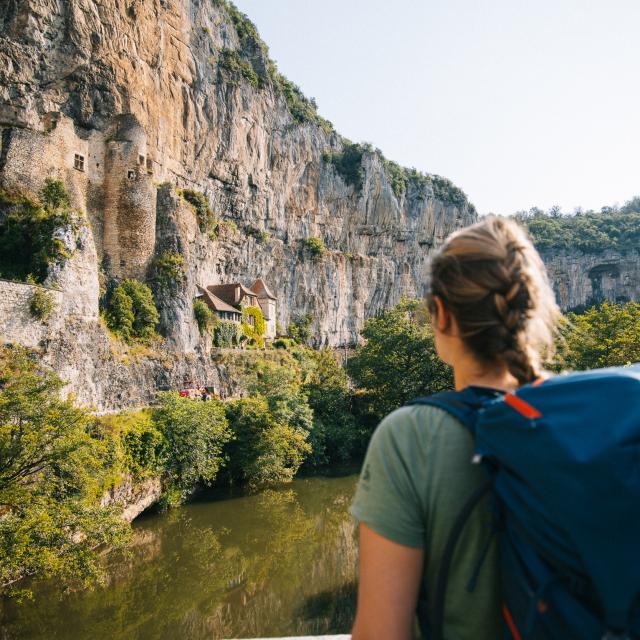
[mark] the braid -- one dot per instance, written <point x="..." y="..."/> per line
<point x="493" y="281"/>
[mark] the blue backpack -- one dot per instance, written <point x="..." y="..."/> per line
<point x="563" y="462"/>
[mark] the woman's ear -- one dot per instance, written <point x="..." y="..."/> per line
<point x="442" y="317"/>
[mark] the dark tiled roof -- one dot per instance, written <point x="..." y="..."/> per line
<point x="227" y="292"/>
<point x="215" y="302"/>
<point x="262" y="290"/>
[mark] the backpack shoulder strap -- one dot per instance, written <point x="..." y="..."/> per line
<point x="462" y="405"/>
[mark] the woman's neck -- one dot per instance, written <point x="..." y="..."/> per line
<point x="469" y="372"/>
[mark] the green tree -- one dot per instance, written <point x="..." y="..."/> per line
<point x="195" y="434"/>
<point x="264" y="450"/>
<point x="226" y="335"/>
<point x="132" y="312"/>
<point x="604" y="336"/>
<point x="137" y="444"/>
<point x="281" y="386"/>
<point x="299" y="329"/>
<point x="54" y="195"/>
<point x="51" y="472"/>
<point x="335" y="436"/>
<point x="398" y="361"/>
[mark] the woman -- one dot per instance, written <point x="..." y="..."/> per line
<point x="493" y="316"/>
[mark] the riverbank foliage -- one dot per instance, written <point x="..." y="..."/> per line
<point x="52" y="466"/>
<point x="193" y="438"/>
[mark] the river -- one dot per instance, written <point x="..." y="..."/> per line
<point x="279" y="563"/>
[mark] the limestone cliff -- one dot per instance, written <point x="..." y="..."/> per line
<point x="581" y="279"/>
<point x="129" y="101"/>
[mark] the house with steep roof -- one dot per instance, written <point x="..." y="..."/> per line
<point x="227" y="301"/>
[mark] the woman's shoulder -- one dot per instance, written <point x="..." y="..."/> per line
<point x="417" y="437"/>
<point x="420" y="422"/>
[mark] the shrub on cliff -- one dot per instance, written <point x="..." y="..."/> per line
<point x="447" y="192"/>
<point x="348" y="164"/>
<point x="194" y="434"/>
<point x="28" y="242"/>
<point x="314" y="246"/>
<point x="397" y="176"/>
<point x="51" y="472"/>
<point x="168" y="272"/>
<point x="207" y="222"/>
<point x="205" y="318"/>
<point x="54" y="195"/>
<point x="131" y="312"/>
<point x="42" y="302"/>
<point x="231" y="61"/>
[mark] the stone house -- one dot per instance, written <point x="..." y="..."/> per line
<point x="227" y="301"/>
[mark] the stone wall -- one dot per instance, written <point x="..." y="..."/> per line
<point x="30" y="156"/>
<point x="17" y="323"/>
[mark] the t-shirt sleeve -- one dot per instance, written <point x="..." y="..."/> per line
<point x="386" y="498"/>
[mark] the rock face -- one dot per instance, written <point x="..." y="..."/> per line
<point x="133" y="497"/>
<point x="582" y="279"/>
<point x="115" y="98"/>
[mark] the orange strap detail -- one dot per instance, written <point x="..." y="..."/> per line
<point x="521" y="406"/>
<point x="509" y="620"/>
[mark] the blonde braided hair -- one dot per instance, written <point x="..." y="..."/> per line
<point x="493" y="281"/>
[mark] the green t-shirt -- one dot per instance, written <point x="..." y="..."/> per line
<point x="416" y="477"/>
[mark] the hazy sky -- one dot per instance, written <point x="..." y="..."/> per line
<point x="519" y="102"/>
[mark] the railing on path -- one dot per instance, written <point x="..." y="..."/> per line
<point x="342" y="637"/>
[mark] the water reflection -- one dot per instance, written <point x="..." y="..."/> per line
<point x="275" y="564"/>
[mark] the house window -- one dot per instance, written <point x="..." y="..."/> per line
<point x="149" y="165"/>
<point x="131" y="174"/>
<point x="78" y="162"/>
